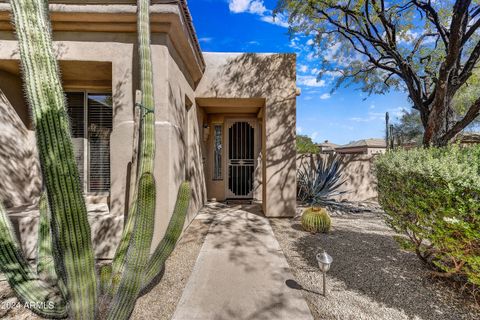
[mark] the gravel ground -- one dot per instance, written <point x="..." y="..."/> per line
<point x="370" y="278"/>
<point x="160" y="302"/>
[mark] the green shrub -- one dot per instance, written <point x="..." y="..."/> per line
<point x="433" y="197"/>
<point x="316" y="220"/>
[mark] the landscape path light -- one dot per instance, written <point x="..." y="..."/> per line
<point x="324" y="261"/>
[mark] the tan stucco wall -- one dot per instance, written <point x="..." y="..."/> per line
<point x="173" y="84"/>
<point x="20" y="183"/>
<point x="360" y="182"/>
<point x="271" y="77"/>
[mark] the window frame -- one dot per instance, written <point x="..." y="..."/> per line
<point x="220" y="164"/>
<point x="86" y="144"/>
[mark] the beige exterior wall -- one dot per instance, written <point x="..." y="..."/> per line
<point x="179" y="151"/>
<point x="357" y="171"/>
<point x="361" y="150"/>
<point x="96" y="49"/>
<point x="19" y="167"/>
<point x="270" y="77"/>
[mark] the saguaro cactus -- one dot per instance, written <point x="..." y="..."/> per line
<point x="41" y="297"/>
<point x="146" y="157"/>
<point x="66" y="283"/>
<point x="74" y="261"/>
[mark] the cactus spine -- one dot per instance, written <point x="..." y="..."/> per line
<point x="74" y="260"/>
<point x="41" y="297"/>
<point x="173" y="232"/>
<point x="316" y="220"/>
<point x="138" y="251"/>
<point x="45" y="264"/>
<point x="147" y="126"/>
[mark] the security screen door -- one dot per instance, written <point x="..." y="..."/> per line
<point x="241" y="158"/>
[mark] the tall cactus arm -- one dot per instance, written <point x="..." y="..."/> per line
<point x="147" y="126"/>
<point x="36" y="294"/>
<point x="138" y="252"/>
<point x="74" y="258"/>
<point x="45" y="263"/>
<point x="105" y="277"/>
<point x="173" y="232"/>
<point x="147" y="146"/>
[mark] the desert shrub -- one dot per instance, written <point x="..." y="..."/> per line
<point x="432" y="196"/>
<point x="320" y="181"/>
<point x="316" y="220"/>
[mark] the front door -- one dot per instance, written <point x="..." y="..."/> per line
<point x="241" y="158"/>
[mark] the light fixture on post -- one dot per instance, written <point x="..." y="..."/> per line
<point x="324" y="261"/>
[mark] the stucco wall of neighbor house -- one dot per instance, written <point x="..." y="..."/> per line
<point x="174" y="82"/>
<point x="357" y="171"/>
<point x="271" y="77"/>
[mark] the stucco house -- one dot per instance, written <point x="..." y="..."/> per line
<point x="224" y="121"/>
<point x="364" y="146"/>
<point x="327" y="147"/>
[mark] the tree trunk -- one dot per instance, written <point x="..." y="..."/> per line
<point x="439" y="130"/>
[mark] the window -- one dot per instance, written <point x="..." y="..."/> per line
<point x="217" y="163"/>
<point x="91" y="124"/>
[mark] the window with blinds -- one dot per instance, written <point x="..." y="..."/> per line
<point x="91" y="125"/>
<point x="76" y="112"/>
<point x="217" y="157"/>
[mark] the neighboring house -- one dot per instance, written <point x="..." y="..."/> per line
<point x="224" y="121"/>
<point x="364" y="146"/>
<point x="327" y="147"/>
<point x="468" y="138"/>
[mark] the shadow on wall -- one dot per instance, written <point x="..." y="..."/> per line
<point x="20" y="180"/>
<point x="357" y="170"/>
<point x="273" y="77"/>
<point x="189" y="165"/>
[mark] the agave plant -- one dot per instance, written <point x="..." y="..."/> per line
<point x="321" y="181"/>
<point x="65" y="283"/>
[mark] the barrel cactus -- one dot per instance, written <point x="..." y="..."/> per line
<point x="65" y="282"/>
<point x="316" y="220"/>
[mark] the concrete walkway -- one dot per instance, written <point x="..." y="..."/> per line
<point x="240" y="272"/>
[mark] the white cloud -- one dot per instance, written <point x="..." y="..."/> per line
<point x="257" y="7"/>
<point x="314" y="135"/>
<point x="299" y="130"/>
<point x="372" y="106"/>
<point x="407" y="37"/>
<point x="331" y="53"/>
<point x="377" y="116"/>
<point x="278" y="20"/>
<point x="238" y="6"/>
<point x="332" y="74"/>
<point x="303" y="68"/>
<point x="205" y="39"/>
<point x="310" y="81"/>
<point x="325" y="96"/>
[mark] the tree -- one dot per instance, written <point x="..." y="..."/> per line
<point x="409" y="128"/>
<point x="427" y="48"/>
<point x="306" y="145"/>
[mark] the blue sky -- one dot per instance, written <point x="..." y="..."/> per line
<point x="247" y="26"/>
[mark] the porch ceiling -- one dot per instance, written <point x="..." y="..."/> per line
<point x="75" y="74"/>
<point x="231" y="105"/>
